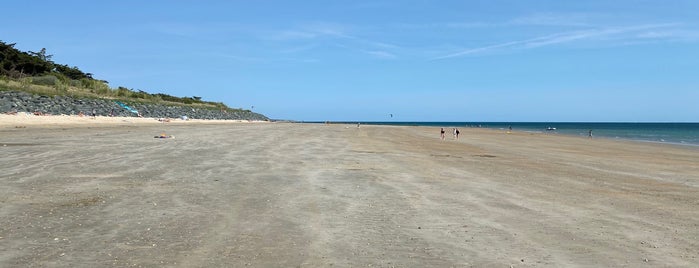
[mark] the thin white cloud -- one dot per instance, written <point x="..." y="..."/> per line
<point x="381" y="54"/>
<point x="674" y="34"/>
<point x="468" y="25"/>
<point x="619" y="33"/>
<point x="247" y="59"/>
<point x="235" y="57"/>
<point x="537" y="19"/>
<point x="654" y="34"/>
<point x="444" y="25"/>
<point x="196" y="30"/>
<point x="292" y="35"/>
<point x="300" y="60"/>
<point x="309" y="31"/>
<point x="483" y="49"/>
<point x="554" y="19"/>
<point x="319" y="34"/>
<point x="298" y="49"/>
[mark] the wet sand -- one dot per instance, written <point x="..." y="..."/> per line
<point x="289" y="195"/>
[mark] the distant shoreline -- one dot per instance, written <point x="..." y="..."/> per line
<point x="680" y="133"/>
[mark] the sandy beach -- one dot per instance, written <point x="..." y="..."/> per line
<point x="108" y="194"/>
<point x="22" y="120"/>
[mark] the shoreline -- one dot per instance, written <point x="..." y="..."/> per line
<point x="610" y="138"/>
<point x="25" y="119"/>
<point x="599" y="133"/>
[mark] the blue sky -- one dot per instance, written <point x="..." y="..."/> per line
<point x="358" y="60"/>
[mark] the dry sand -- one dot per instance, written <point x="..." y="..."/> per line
<point x="22" y="120"/>
<point x="289" y="195"/>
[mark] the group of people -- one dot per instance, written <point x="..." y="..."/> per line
<point x="455" y="132"/>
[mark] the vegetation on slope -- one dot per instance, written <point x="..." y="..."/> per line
<point x="35" y="72"/>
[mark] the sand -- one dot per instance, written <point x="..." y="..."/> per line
<point x="22" y="120"/>
<point x="312" y="195"/>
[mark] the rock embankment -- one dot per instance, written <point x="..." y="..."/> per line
<point x="16" y="101"/>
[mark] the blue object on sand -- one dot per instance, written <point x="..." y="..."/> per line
<point x="127" y="107"/>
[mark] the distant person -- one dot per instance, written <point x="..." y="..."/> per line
<point x="457" y="133"/>
<point x="454" y="133"/>
<point x="590" y="134"/>
<point x="94" y="113"/>
<point x="442" y="133"/>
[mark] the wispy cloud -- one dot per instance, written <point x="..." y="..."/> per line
<point x="309" y="31"/>
<point x="298" y="49"/>
<point x="443" y="25"/>
<point x="317" y="34"/>
<point x="196" y="30"/>
<point x="537" y="19"/>
<point x="246" y="59"/>
<point x="292" y="35"/>
<point x="381" y="54"/>
<point x="611" y="33"/>
<point x="671" y="34"/>
<point x="468" y="25"/>
<point x="554" y="19"/>
<point x="234" y="57"/>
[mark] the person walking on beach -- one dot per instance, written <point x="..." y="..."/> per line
<point x="590" y="134"/>
<point x="453" y="132"/>
<point x="456" y="130"/>
<point x="442" y="133"/>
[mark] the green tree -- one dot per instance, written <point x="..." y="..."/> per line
<point x="42" y="55"/>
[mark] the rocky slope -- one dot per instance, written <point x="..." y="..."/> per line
<point x="15" y="101"/>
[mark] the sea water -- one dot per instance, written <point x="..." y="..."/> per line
<point x="675" y="133"/>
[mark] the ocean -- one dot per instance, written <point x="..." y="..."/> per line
<point x="673" y="133"/>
